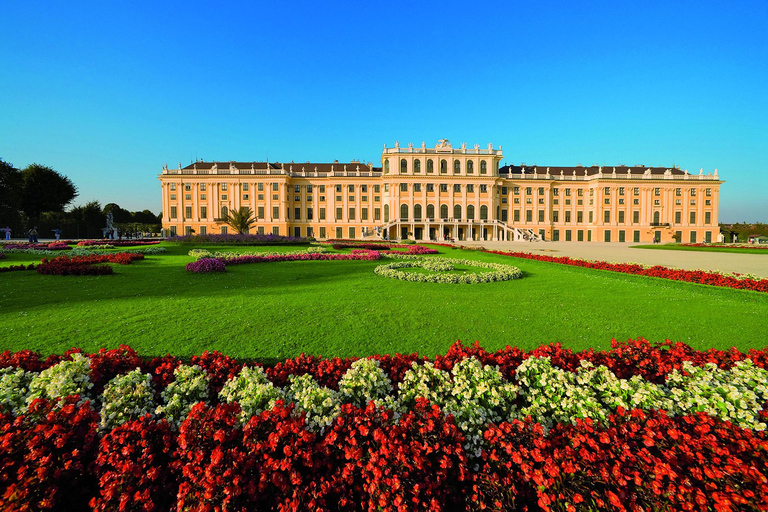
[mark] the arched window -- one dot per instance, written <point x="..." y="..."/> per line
<point x="457" y="211"/>
<point x="403" y="212"/>
<point x="470" y="212"/>
<point x="656" y="218"/>
<point x="456" y="167"/>
<point x="417" y="211"/>
<point x="417" y="166"/>
<point x="403" y="166"/>
<point x="386" y="166"/>
<point x="224" y="212"/>
<point x="386" y="213"/>
<point x="430" y="211"/>
<point x="483" y="167"/>
<point x="443" y="167"/>
<point x="483" y="212"/>
<point x="470" y="167"/>
<point x="430" y="166"/>
<point x="443" y="211"/>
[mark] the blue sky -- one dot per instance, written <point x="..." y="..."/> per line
<point x="107" y="92"/>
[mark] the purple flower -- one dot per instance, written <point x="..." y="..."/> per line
<point x="206" y="265"/>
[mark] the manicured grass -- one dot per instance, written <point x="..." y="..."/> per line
<point x="340" y="308"/>
<point x="715" y="248"/>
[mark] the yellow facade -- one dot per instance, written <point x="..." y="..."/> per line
<point x="445" y="193"/>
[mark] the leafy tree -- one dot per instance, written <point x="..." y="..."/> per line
<point x="119" y="215"/>
<point x="87" y="220"/>
<point x="241" y="220"/>
<point x="45" y="190"/>
<point x="10" y="195"/>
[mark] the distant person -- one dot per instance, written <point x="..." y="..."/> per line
<point x="7" y="233"/>
<point x="57" y="233"/>
<point x="33" y="235"/>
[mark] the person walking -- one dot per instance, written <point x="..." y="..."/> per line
<point x="57" y="233"/>
<point x="33" y="235"/>
<point x="7" y="233"/>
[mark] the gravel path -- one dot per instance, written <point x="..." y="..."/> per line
<point x="756" y="264"/>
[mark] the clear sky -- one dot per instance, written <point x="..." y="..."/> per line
<point x="107" y="92"/>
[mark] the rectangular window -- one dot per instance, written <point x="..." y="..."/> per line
<point x="589" y="235"/>
<point x="528" y="216"/>
<point x="516" y="190"/>
<point x="635" y="202"/>
<point x="203" y="230"/>
<point x="187" y="212"/>
<point x="504" y="215"/>
<point x="528" y="190"/>
<point x="203" y="212"/>
<point x="377" y="214"/>
<point x="708" y="237"/>
<point x="516" y="215"/>
<point x="275" y="212"/>
<point x="352" y="233"/>
<point x="338" y="199"/>
<point x="417" y="187"/>
<point x="607" y="218"/>
<point x="246" y="197"/>
<point x="275" y="187"/>
<point x="707" y="217"/>
<point x="607" y="191"/>
<point x="352" y="214"/>
<point x="276" y="230"/>
<point x="567" y="235"/>
<point x="483" y="188"/>
<point x="245" y="187"/>
<point x="260" y="197"/>
<point x="579" y="217"/>
<point x="297" y="213"/>
<point x="555" y="191"/>
<point x="580" y="192"/>
<point x="322" y="231"/>
<point x="470" y="189"/>
<point x="187" y="187"/>
<point x="708" y="192"/>
<point x="430" y="187"/>
<point x="657" y="191"/>
<point x="187" y="197"/>
<point x="173" y="197"/>
<point x="457" y="187"/>
<point x="322" y="189"/>
<point x="260" y="230"/>
<point x="555" y="235"/>
<point x="621" y="217"/>
<point x="364" y="189"/>
<point x="322" y="199"/>
<point x="541" y="191"/>
<point x="376" y="199"/>
<point x="443" y="187"/>
<point x="260" y="187"/>
<point x="678" y="192"/>
<point x="339" y="213"/>
<point x="621" y="191"/>
<point x="297" y="198"/>
<point x="351" y="189"/>
<point x="621" y="236"/>
<point x="591" y="217"/>
<point x="224" y="230"/>
<point x="338" y="189"/>
<point x="693" y="202"/>
<point x="693" y="192"/>
<point x="339" y="233"/>
<point x="555" y="216"/>
<point x="321" y="213"/>
<point x="635" y="236"/>
<point x="223" y="197"/>
<point x="403" y="187"/>
<point x="636" y="191"/>
<point x="580" y="235"/>
<point x="693" y="237"/>
<point x="678" y="217"/>
<point x="567" y="217"/>
<point x="173" y="212"/>
<point x="363" y="213"/>
<point x="607" y="201"/>
<point x="504" y="200"/>
<point x="260" y="212"/>
<point x="693" y="218"/>
<point x="351" y="199"/>
<point x="541" y="215"/>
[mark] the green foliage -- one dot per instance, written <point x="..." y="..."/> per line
<point x="45" y="190"/>
<point x="241" y="220"/>
<point x="127" y="397"/>
<point x="10" y="196"/>
<point x="365" y="381"/>
<point x="14" y="389"/>
<point x="190" y="387"/>
<point x="62" y="379"/>
<point x="320" y="404"/>
<point x="252" y="390"/>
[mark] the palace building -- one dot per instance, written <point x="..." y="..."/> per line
<point x="445" y="193"/>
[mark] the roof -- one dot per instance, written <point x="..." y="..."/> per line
<point x="591" y="170"/>
<point x="289" y="166"/>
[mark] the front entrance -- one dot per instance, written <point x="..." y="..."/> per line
<point x="418" y="233"/>
<point x="432" y="233"/>
<point x="461" y="233"/>
<point x="447" y="234"/>
<point x="657" y="237"/>
<point x="485" y="233"/>
<point x="403" y="233"/>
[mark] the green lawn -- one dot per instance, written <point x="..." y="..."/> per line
<point x="340" y="308"/>
<point x="714" y="248"/>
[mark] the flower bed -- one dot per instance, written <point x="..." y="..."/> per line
<point x="497" y="272"/>
<point x="117" y="243"/>
<point x="52" y="246"/>
<point x="85" y="265"/>
<point x="460" y="432"/>
<point x="387" y="248"/>
<point x="238" y="239"/>
<point x="304" y="256"/>
<point x="728" y="246"/>
<point x="691" y="276"/>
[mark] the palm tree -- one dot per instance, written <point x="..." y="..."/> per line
<point x="241" y="220"/>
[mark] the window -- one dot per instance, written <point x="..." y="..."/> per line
<point x="693" y="192"/>
<point x="483" y="212"/>
<point x="516" y="190"/>
<point x="430" y="166"/>
<point x="555" y="216"/>
<point x="377" y="214"/>
<point x="567" y="235"/>
<point x="417" y="187"/>
<point x="580" y="235"/>
<point x="693" y="202"/>
<point x="386" y="166"/>
<point x="403" y="212"/>
<point x="260" y="212"/>
<point x="657" y="191"/>
<point x="417" y="166"/>
<point x="352" y="233"/>
<point x="173" y="212"/>
<point x="470" y="167"/>
<point x="223" y="230"/>
<point x="607" y="201"/>
<point x="555" y="191"/>
<point x="309" y="189"/>
<point x="621" y="217"/>
<point x="483" y="189"/>
<point x="579" y="217"/>
<point x="188" y="187"/>
<point x="656" y="218"/>
<point x="635" y="201"/>
<point x="456" y="167"/>
<point x="457" y="211"/>
<point x="483" y="167"/>
<point x="607" y="236"/>
<point x="430" y="211"/>
<point x="457" y="187"/>
<point x="707" y="202"/>
<point x="430" y="187"/>
<point x="338" y="199"/>
<point x="351" y="189"/>
<point x="187" y="197"/>
<point x="376" y="199"/>
<point x="322" y="232"/>
<point x="203" y="212"/>
<point x="607" y="191"/>
<point x="224" y="212"/>
<point x="443" y="187"/>
<point x="693" y="237"/>
<point x="321" y="213"/>
<point x="351" y="199"/>
<point x="443" y="167"/>
<point x="528" y="216"/>
<point x="470" y="212"/>
<point x="470" y="189"/>
<point x="351" y="214"/>
<point x="339" y="213"/>
<point x="693" y="218"/>
<point x="516" y="215"/>
<point x="541" y="191"/>
<point x="275" y="212"/>
<point x="443" y="211"/>
<point x="503" y="215"/>
<point x="172" y="186"/>
<point x="528" y="190"/>
<point x="386" y="213"/>
<point x="322" y="189"/>
<point x="297" y="213"/>
<point x="245" y="197"/>
<point x="591" y="217"/>
<point x="203" y="230"/>
<point x="403" y="187"/>
<point x="567" y="217"/>
<point x="707" y="217"/>
<point x="503" y="191"/>
<point x="173" y="197"/>
<point x="678" y="217"/>
<point x="708" y="237"/>
<point x="245" y="187"/>
<point x="364" y="198"/>
<point x="338" y="189"/>
<point x="621" y="191"/>
<point x="636" y="191"/>
<point x="621" y="201"/>
<point x="309" y="199"/>
<point x="417" y="211"/>
<point x="541" y="215"/>
<point x="656" y="202"/>
<point x="223" y="197"/>
<point x="708" y="192"/>
<point x="555" y="235"/>
<point x="260" y="197"/>
<point x="339" y="233"/>
<point x="403" y="166"/>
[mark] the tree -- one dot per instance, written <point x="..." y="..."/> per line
<point x="87" y="220"/>
<point x="119" y="215"/>
<point x="241" y="220"/>
<point x="45" y="190"/>
<point x="10" y="195"/>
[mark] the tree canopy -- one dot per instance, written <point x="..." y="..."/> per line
<point x="45" y="190"/>
<point x="10" y="194"/>
<point x="241" y="220"/>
